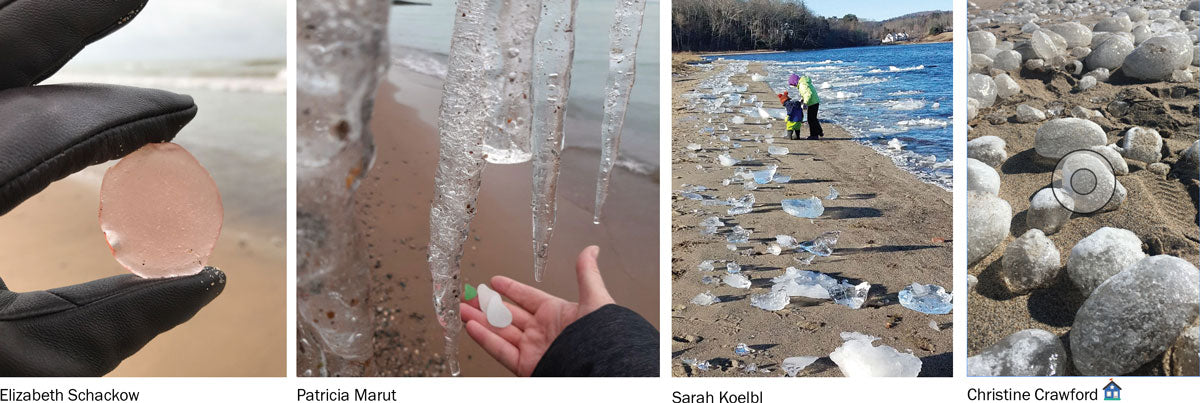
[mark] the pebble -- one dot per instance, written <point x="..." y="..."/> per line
<point x="1058" y="137"/>
<point x="1101" y="255"/>
<point x="972" y="281"/>
<point x="1030" y="352"/>
<point x="983" y="89"/>
<point x="988" y="149"/>
<point x="1046" y="212"/>
<point x="1030" y="262"/>
<point x="1158" y="57"/>
<point x="1135" y="316"/>
<point x="1142" y="144"/>
<point x="988" y="220"/>
<point x="1119" y="166"/>
<point x="982" y="178"/>
<point x="1006" y="87"/>
<point x="1029" y="114"/>
<point x="1158" y="168"/>
<point x="1184" y="354"/>
<point x="1110" y="54"/>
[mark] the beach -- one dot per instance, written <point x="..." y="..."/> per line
<point x="895" y="230"/>
<point x="1160" y="207"/>
<point x="393" y="206"/>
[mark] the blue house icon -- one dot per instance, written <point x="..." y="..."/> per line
<point x="1112" y="391"/>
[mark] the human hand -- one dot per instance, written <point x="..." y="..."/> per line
<point x="538" y="317"/>
<point x="49" y="132"/>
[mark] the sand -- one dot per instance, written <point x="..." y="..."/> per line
<point x="394" y="206"/>
<point x="1161" y="210"/>
<point x="896" y="230"/>
<point x="54" y="239"/>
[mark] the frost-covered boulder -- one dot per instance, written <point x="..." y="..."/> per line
<point x="972" y="108"/>
<point x="1119" y="166"/>
<point x="987" y="149"/>
<point x="1042" y="45"/>
<point x="1049" y="210"/>
<point x="1030" y="262"/>
<point x="1007" y="60"/>
<point x="982" y="88"/>
<point x="1074" y="33"/>
<point x="1158" y="57"/>
<point x="1114" y="24"/>
<point x="988" y="220"/>
<point x="1142" y="144"/>
<point x="1005" y="86"/>
<point x="1030" y="352"/>
<point x="1134" y="316"/>
<point x="981" y="41"/>
<point x="1058" y="137"/>
<point x="981" y="177"/>
<point x="1110" y="54"/>
<point x="1101" y="255"/>
<point x="1029" y="114"/>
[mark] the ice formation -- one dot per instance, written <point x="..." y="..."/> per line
<point x="342" y="53"/>
<point x="793" y="365"/>
<point x="1031" y="352"/>
<point x="803" y="208"/>
<point x="622" y="64"/>
<point x="857" y="356"/>
<point x="705" y="299"/>
<point x="926" y="298"/>
<point x="509" y="141"/>
<point x="555" y="54"/>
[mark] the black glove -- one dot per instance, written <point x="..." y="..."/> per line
<point x="49" y="132"/>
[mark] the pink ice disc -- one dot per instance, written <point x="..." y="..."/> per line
<point x="160" y="212"/>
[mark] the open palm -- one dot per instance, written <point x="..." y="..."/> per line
<point x="538" y="317"/>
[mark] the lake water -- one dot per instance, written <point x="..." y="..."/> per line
<point x="420" y="36"/>
<point x="883" y="94"/>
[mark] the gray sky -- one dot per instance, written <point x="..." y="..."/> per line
<point x="197" y="30"/>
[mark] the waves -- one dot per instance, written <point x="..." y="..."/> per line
<point x="894" y="69"/>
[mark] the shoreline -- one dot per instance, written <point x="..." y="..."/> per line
<point x="394" y="202"/>
<point x="896" y="230"/>
<point x="771" y="51"/>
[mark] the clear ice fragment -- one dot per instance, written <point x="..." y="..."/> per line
<point x="509" y="141"/>
<point x="771" y="301"/>
<point x="822" y="245"/>
<point x="929" y="299"/>
<point x="858" y="356"/>
<point x="765" y="176"/>
<point x="705" y="299"/>
<point x="793" y="365"/>
<point x="803" y="208"/>
<point x="742" y="350"/>
<point x="739" y="235"/>
<point x="736" y="281"/>
<point x="622" y="65"/>
<point x="777" y="150"/>
<point x="733" y="268"/>
<point x="833" y="193"/>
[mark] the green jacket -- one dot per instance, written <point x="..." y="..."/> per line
<point x="807" y="92"/>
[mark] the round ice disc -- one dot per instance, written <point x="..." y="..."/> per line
<point x="160" y="212"/>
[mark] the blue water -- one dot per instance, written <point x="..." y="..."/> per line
<point x="880" y="94"/>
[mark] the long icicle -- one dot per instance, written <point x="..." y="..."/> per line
<point x="622" y="66"/>
<point x="468" y="97"/>
<point x="551" y="86"/>
<point x="508" y="142"/>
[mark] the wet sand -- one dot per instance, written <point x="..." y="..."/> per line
<point x="896" y="230"/>
<point x="394" y="205"/>
<point x="54" y="240"/>
<point x="1160" y="209"/>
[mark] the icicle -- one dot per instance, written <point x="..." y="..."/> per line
<point x="468" y="97"/>
<point x="551" y="85"/>
<point x="508" y="142"/>
<point x="622" y="64"/>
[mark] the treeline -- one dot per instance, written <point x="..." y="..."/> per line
<point x="724" y="25"/>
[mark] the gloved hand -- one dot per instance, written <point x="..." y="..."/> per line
<point x="49" y="132"/>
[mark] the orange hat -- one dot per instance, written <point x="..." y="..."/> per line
<point x="782" y="97"/>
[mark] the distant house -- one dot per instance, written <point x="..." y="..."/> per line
<point x="1112" y="391"/>
<point x="896" y="37"/>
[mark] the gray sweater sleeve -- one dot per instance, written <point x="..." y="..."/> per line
<point x="611" y="341"/>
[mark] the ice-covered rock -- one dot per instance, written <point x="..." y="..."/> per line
<point x="982" y="88"/>
<point x="982" y="178"/>
<point x="803" y="208"/>
<point x="858" y="356"/>
<point x="1044" y="46"/>
<point x="1114" y="24"/>
<point x="1049" y="210"/>
<point x="771" y="301"/>
<point x="1134" y="316"/>
<point x="1005" y="86"/>
<point x="1029" y="114"/>
<point x="1007" y="60"/>
<point x="1118" y="197"/>
<point x="972" y="108"/>
<point x="1030" y="262"/>
<point x="926" y="298"/>
<point x="1086" y="83"/>
<point x="989" y="150"/>
<point x="1101" y="255"/>
<point x="1074" y="33"/>
<point x="981" y="41"/>
<point x="1030" y="352"/>
<point x="988" y="221"/>
<point x="1158" y="57"/>
<point x="1109" y="54"/>
<point x="1058" y="137"/>
<point x="1119" y="166"/>
<point x="705" y="299"/>
<point x="1142" y="144"/>
<point x="1100" y="73"/>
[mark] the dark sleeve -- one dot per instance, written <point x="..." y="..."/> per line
<point x="611" y="341"/>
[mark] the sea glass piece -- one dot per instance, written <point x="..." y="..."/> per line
<point x="493" y="306"/>
<point x="160" y="212"/>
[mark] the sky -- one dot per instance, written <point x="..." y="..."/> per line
<point x="197" y="30"/>
<point x="877" y="10"/>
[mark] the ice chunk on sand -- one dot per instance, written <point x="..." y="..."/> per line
<point x="833" y="193"/>
<point x="726" y="160"/>
<point x="822" y="245"/>
<point x="793" y="365"/>
<point x="705" y="299"/>
<point x="777" y="150"/>
<point x="858" y="356"/>
<point x="803" y="208"/>
<point x="771" y="301"/>
<point x="926" y="298"/>
<point x="736" y="281"/>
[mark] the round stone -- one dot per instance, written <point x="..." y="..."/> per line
<point x="1134" y="316"/>
<point x="1101" y="255"/>
<point x="160" y="212"/>
<point x="1184" y="354"/>
<point x="987" y="149"/>
<point x="1058" y="137"/>
<point x="1030" y="262"/>
<point x="1049" y="210"/>
<point x="981" y="41"/>
<point x="981" y="177"/>
<point x="1029" y="114"/>
<point x="1119" y="166"/>
<point x="1114" y="24"/>
<point x="1110" y="54"/>
<point x="988" y="220"/>
<point x="1074" y="33"/>
<point x="1142" y="144"/>
<point x="1007" y="60"/>
<point x="982" y="88"/>
<point x="1005" y="86"/>
<point x="1158" y="57"/>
